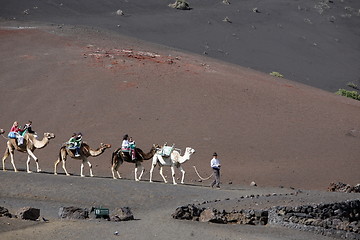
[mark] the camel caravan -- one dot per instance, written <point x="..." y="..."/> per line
<point x="26" y="141"/>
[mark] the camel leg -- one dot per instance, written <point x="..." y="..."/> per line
<point x="55" y="165"/>
<point x="90" y="166"/>
<point x="12" y="159"/>
<point x="142" y="171"/>
<point x="113" y="169"/>
<point x="137" y="165"/>
<point x="136" y="179"/>
<point x="82" y="169"/>
<point x="64" y="167"/>
<point x="151" y="172"/>
<point x="183" y="174"/>
<point x="161" y="173"/>
<point x="173" y="174"/>
<point x="35" y="158"/>
<point x="6" y="154"/>
<point x="28" y="164"/>
<point x="118" y="174"/>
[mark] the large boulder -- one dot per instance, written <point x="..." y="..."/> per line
<point x="188" y="212"/>
<point x="28" y="213"/>
<point x="122" y="214"/>
<point x="73" y="213"/>
<point x="209" y="215"/>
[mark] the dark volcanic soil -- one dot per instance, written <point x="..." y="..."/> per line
<point x="315" y="42"/>
<point x="265" y="129"/>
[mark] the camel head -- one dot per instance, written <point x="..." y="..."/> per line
<point x="156" y="147"/>
<point x="103" y="145"/>
<point x="189" y="150"/>
<point x="49" y="135"/>
<point x="2" y="131"/>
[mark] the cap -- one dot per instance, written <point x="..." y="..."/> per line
<point x="214" y="154"/>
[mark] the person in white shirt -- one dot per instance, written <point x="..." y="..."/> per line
<point x="215" y="165"/>
<point x="125" y="147"/>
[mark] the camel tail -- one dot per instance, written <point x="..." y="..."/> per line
<point x="204" y="179"/>
<point x="113" y="156"/>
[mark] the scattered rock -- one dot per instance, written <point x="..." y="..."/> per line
<point x="226" y="2"/>
<point x="180" y="4"/>
<point x="227" y="19"/>
<point x="73" y="213"/>
<point x="253" y="184"/>
<point x="4" y="212"/>
<point x="120" y="12"/>
<point x="343" y="187"/>
<point x="122" y="214"/>
<point x="28" y="213"/>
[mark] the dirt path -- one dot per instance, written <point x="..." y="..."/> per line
<point x="151" y="203"/>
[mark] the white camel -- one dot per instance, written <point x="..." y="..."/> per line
<point x="174" y="160"/>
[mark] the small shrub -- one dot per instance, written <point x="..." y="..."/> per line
<point x="352" y="85"/>
<point x="276" y="74"/>
<point x="350" y="94"/>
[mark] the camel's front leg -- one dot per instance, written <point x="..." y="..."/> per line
<point x="135" y="172"/>
<point x="161" y="173"/>
<point x="118" y="174"/>
<point x="90" y="168"/>
<point x="151" y="171"/>
<point x="173" y="174"/>
<point x="55" y="166"/>
<point x="183" y="174"/>
<point x="28" y="164"/>
<point x="36" y="160"/>
<point x="137" y="165"/>
<point x="82" y="169"/>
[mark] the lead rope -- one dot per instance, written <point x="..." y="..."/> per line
<point x="204" y="179"/>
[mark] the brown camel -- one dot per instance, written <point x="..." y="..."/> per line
<point x="85" y="152"/>
<point x="118" y="157"/>
<point x="29" y="146"/>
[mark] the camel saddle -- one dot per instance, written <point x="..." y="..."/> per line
<point x="166" y="151"/>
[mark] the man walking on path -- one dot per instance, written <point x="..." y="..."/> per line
<point x="215" y="165"/>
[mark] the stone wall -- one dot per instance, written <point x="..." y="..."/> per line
<point x="341" y="219"/>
